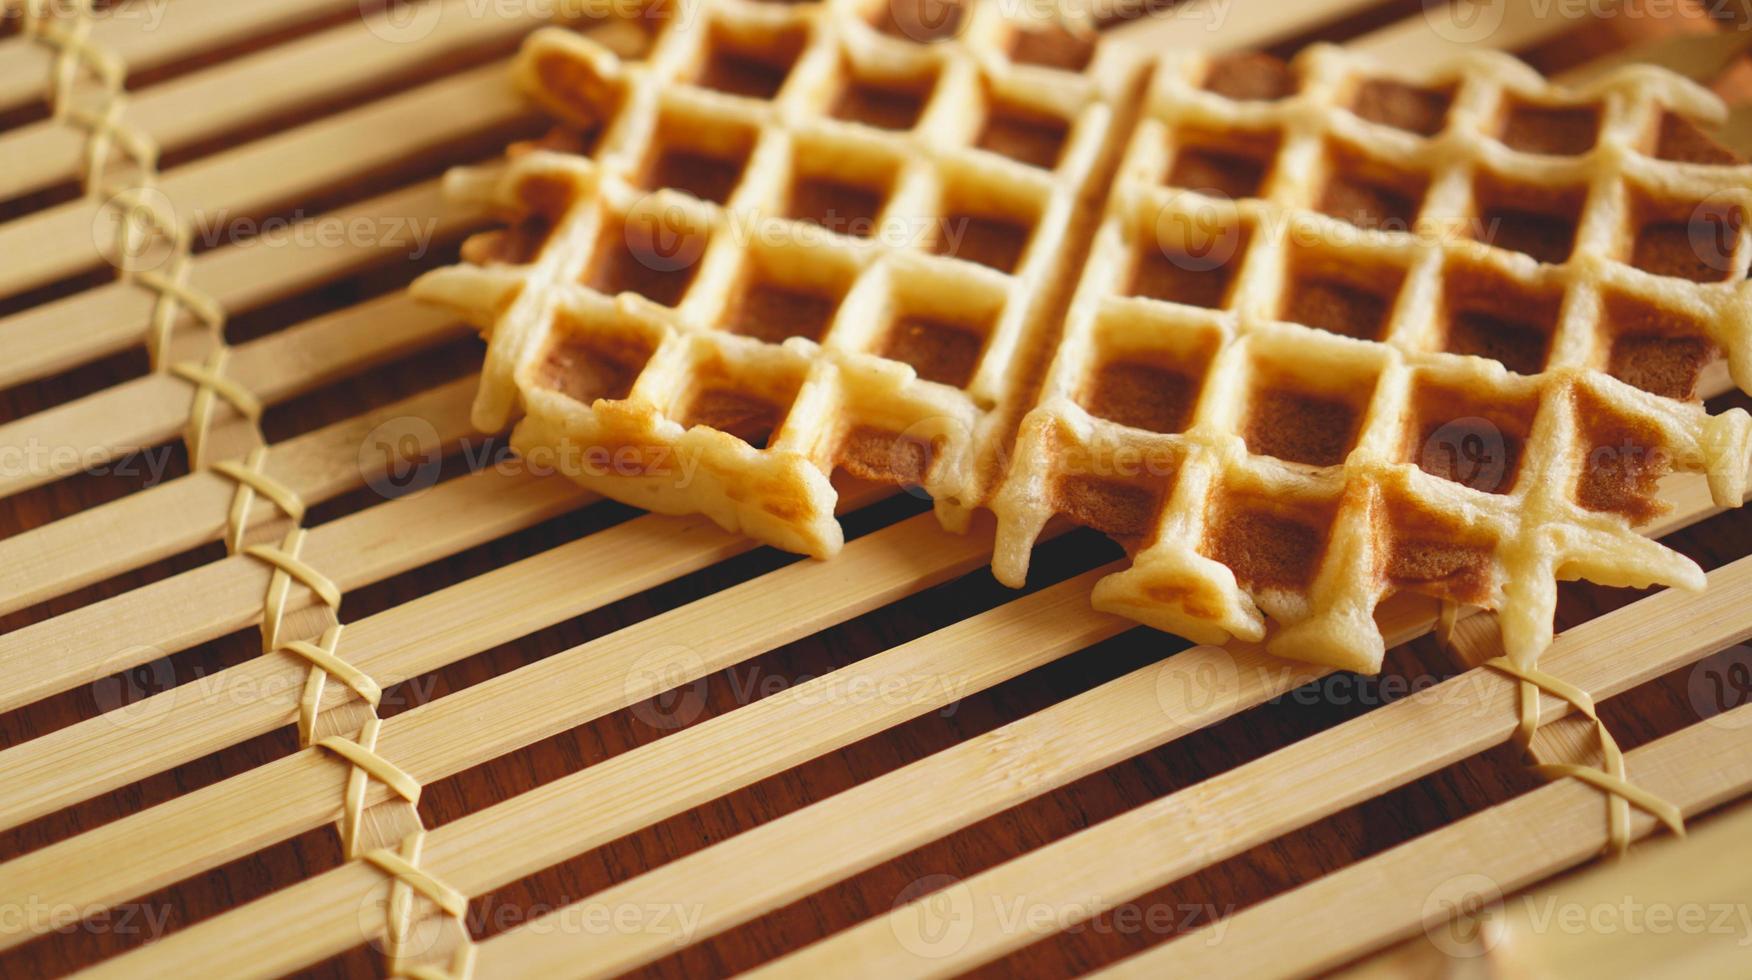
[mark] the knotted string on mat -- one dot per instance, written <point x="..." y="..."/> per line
<point x="324" y="662"/>
<point x="87" y="93"/>
<point x="288" y="566"/>
<point x="407" y="880"/>
<point x="211" y="384"/>
<point x="152" y="248"/>
<point x="367" y="765"/>
<point x="252" y="479"/>
<point x="1611" y="779"/>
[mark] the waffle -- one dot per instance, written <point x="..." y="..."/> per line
<point x="794" y="239"/>
<point x="1343" y="335"/>
<point x="1335" y="333"/>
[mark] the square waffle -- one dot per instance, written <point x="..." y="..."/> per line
<point x="1343" y="334"/>
<point x="799" y="239"/>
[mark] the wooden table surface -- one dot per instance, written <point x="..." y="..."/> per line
<point x="1646" y="713"/>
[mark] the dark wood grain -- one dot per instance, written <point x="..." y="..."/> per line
<point x="1497" y="775"/>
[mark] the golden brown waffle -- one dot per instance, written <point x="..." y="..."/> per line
<point x="802" y="240"/>
<point x="1343" y="335"/>
<point x="1339" y="334"/>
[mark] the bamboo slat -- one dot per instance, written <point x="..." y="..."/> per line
<point x="60" y="768"/>
<point x="89" y="757"/>
<point x="1698" y="56"/>
<point x="182" y="836"/>
<point x="151" y="410"/>
<point x="735" y="881"/>
<point x="148" y="35"/>
<point x="1512" y="845"/>
<point x="1439" y="32"/>
<point x="1445" y="30"/>
<point x="323" y="67"/>
<point x="1212" y="25"/>
<point x="240" y="277"/>
<point x="208" y="602"/>
<point x="1163" y="841"/>
<point x="1455" y="719"/>
<point x="591" y="807"/>
<point x="49" y="245"/>
<point x="977" y="652"/>
<point x="173" y="517"/>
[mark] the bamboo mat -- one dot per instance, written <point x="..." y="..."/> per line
<point x="1085" y="790"/>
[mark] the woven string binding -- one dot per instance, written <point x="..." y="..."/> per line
<point x="86" y="93"/>
<point x="119" y="170"/>
<point x="408" y="879"/>
<point x="1611" y="779"/>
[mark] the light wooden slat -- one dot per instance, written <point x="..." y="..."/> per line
<point x="272" y="802"/>
<point x="358" y="54"/>
<point x="730" y="884"/>
<point x="1403" y="619"/>
<point x="1444" y="31"/>
<point x="1670" y="883"/>
<point x="277" y="170"/>
<point x="82" y="760"/>
<point x="1414" y="623"/>
<point x="152" y="33"/>
<point x="1467" y="714"/>
<point x="1700" y="56"/>
<point x="1437" y="34"/>
<point x="1513" y="844"/>
<point x="1209" y="25"/>
<point x="969" y="655"/>
<point x="151" y="410"/>
<point x="1172" y="837"/>
<point x="242" y="277"/>
<point x="734" y="882"/>
<point x="184" y="723"/>
<point x="171" y="518"/>
<point x="208" y="602"/>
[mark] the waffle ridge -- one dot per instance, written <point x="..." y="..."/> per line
<point x="1342" y="332"/>
<point x="1336" y="333"/>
